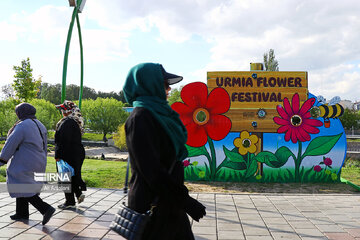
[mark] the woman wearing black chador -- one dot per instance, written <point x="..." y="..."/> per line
<point x="156" y="139"/>
<point x="69" y="148"/>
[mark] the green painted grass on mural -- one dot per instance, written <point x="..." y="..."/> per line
<point x="284" y="175"/>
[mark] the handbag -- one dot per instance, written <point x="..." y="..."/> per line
<point x="129" y="223"/>
<point x="64" y="167"/>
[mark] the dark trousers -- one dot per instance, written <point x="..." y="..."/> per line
<point x="75" y="190"/>
<point x="22" y="205"/>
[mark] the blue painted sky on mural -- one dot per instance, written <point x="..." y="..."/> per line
<point x="188" y="37"/>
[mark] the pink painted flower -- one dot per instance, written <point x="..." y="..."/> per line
<point x="327" y="161"/>
<point x="295" y="121"/>
<point x="186" y="163"/>
<point x="317" y="168"/>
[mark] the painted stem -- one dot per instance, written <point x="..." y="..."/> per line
<point x="298" y="161"/>
<point x="213" y="158"/>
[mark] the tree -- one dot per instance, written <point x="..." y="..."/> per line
<point x="350" y="119"/>
<point x="174" y="96"/>
<point x="46" y="113"/>
<point x="8" y="91"/>
<point x="120" y="138"/>
<point x="104" y="114"/>
<point x="269" y="61"/>
<point x="25" y="86"/>
<point x="8" y="115"/>
<point x="51" y="93"/>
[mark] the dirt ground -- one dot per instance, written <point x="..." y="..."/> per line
<point x="298" y="188"/>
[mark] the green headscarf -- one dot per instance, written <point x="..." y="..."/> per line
<point x="144" y="87"/>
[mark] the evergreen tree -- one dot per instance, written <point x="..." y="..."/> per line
<point x="270" y="63"/>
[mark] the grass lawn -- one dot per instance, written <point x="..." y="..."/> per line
<point x="111" y="174"/>
<point x="87" y="136"/>
<point x="96" y="173"/>
<point x="351" y="174"/>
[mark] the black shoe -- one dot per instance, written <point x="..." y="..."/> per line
<point x="47" y="215"/>
<point x="81" y="198"/>
<point x="19" y="217"/>
<point x="66" y="206"/>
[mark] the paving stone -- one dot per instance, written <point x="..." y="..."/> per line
<point x="229" y="216"/>
<point x="11" y="232"/>
<point x="285" y="236"/>
<point x="329" y="228"/>
<point x="205" y="237"/>
<point x="355" y="232"/>
<point x="28" y="236"/>
<point x="339" y="236"/>
<point x="93" y="233"/>
<point x="73" y="228"/>
<point x="204" y="230"/>
<point x="113" y="237"/>
<point x="309" y="232"/>
<point x="230" y="235"/>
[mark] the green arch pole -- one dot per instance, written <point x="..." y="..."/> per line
<point x="66" y="56"/>
<point x="81" y="61"/>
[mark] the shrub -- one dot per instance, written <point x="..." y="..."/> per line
<point x="120" y="138"/>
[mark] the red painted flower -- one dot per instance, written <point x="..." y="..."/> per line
<point x="327" y="161"/>
<point x="186" y="163"/>
<point x="202" y="113"/>
<point x="295" y="121"/>
<point x="317" y="168"/>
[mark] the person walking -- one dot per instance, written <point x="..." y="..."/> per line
<point x="156" y="137"/>
<point x="25" y="153"/>
<point x="68" y="147"/>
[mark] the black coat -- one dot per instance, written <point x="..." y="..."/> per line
<point x="151" y="156"/>
<point x="68" y="147"/>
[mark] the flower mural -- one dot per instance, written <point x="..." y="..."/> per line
<point x="246" y="143"/>
<point x="317" y="168"/>
<point x="295" y="121"/>
<point x="297" y="124"/>
<point x="202" y="113"/>
<point x="327" y="162"/>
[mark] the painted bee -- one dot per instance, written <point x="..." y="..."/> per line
<point x="327" y="110"/>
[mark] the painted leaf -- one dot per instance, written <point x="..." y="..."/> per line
<point x="321" y="145"/>
<point x="283" y="154"/>
<point x="196" y="151"/>
<point x="276" y="160"/>
<point x="252" y="169"/>
<point x="233" y="165"/>
<point x="233" y="156"/>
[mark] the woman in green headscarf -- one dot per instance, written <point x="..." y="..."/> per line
<point x="156" y="138"/>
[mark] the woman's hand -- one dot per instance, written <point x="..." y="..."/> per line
<point x="194" y="208"/>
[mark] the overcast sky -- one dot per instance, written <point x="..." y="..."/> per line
<point x="189" y="37"/>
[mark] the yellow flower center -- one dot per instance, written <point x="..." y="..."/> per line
<point x="201" y="116"/>
<point x="296" y="120"/>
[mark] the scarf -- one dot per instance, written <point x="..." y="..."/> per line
<point x="144" y="87"/>
<point x="23" y="111"/>
<point x="74" y="113"/>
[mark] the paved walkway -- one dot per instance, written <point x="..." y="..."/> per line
<point x="229" y="216"/>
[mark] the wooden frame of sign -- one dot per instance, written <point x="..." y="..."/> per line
<point x="254" y="96"/>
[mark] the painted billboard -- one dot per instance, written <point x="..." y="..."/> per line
<point x="260" y="126"/>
